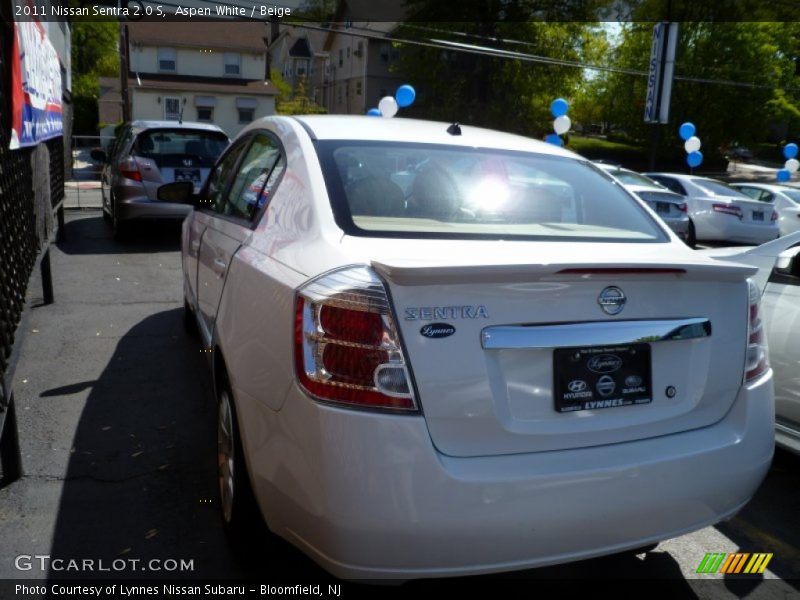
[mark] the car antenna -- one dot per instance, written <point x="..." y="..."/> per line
<point x="454" y="129"/>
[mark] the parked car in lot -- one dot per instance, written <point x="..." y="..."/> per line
<point x="784" y="199"/>
<point x="779" y="281"/>
<point x="148" y="154"/>
<point x="668" y="205"/>
<point x="504" y="366"/>
<point x="718" y="212"/>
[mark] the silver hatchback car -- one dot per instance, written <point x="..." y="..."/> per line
<point x="148" y="154"/>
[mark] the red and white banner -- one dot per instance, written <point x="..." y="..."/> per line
<point x="36" y="110"/>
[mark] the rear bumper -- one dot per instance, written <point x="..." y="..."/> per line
<point x="368" y="495"/>
<point x="142" y="208"/>
<point x="730" y="228"/>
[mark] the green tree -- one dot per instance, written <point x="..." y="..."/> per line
<point x="94" y="54"/>
<point x="293" y="102"/>
<point x="760" y="56"/>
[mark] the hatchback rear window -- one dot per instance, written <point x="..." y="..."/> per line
<point x="433" y="191"/>
<point x="202" y="146"/>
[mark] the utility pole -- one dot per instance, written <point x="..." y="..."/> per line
<point x="124" y="67"/>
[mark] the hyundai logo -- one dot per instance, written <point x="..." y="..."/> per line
<point x="604" y="363"/>
<point x="576" y="385"/>
<point x="187" y="162"/>
<point x="605" y="385"/>
<point x="612" y="300"/>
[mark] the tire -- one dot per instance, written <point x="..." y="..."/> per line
<point x="240" y="515"/>
<point x="691" y="236"/>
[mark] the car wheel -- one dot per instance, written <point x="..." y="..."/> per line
<point x="237" y="502"/>
<point x="691" y="236"/>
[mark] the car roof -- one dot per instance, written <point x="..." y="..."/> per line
<point x="350" y="127"/>
<point x="142" y="125"/>
<point x="771" y="187"/>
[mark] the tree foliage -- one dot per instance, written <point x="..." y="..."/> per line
<point x="293" y="101"/>
<point x="94" y="54"/>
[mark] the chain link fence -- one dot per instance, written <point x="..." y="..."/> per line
<point x="31" y="192"/>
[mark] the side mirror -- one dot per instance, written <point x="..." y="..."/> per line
<point x="99" y="156"/>
<point x="788" y="262"/>
<point x="178" y="191"/>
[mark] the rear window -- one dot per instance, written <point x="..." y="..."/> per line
<point x="203" y="146"/>
<point x="393" y="189"/>
<point x="717" y="188"/>
<point x="631" y="178"/>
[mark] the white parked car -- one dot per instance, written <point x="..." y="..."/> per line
<point x="668" y="205"/>
<point x="719" y="212"/>
<point x="779" y="280"/>
<point x="784" y="199"/>
<point x="443" y="350"/>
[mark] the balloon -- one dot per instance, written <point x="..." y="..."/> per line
<point x="559" y="107"/>
<point x="373" y="112"/>
<point x="405" y="95"/>
<point x="790" y="150"/>
<point x="792" y="165"/>
<point x="562" y="124"/>
<point x="387" y="106"/>
<point x="692" y="144"/>
<point x="784" y="175"/>
<point x="552" y="138"/>
<point x="686" y="130"/>
<point x="694" y="159"/>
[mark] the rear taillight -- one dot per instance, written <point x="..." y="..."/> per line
<point x="728" y="209"/>
<point x="757" y="358"/>
<point x="683" y="207"/>
<point x="774" y="216"/>
<point x="128" y="168"/>
<point x="347" y="348"/>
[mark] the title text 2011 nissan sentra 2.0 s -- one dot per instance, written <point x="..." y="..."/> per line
<point x="442" y="353"/>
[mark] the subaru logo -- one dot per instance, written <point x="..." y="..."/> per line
<point x="576" y="385"/>
<point x="612" y="300"/>
<point x="604" y="363"/>
<point x="605" y="385"/>
<point x="437" y="330"/>
<point x="633" y="381"/>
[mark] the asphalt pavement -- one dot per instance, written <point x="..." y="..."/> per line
<point x="118" y="434"/>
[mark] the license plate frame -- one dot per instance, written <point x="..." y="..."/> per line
<point x="594" y="377"/>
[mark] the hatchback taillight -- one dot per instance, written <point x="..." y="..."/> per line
<point x="347" y="348"/>
<point x="774" y="215"/>
<point x="728" y="209"/>
<point x="130" y="169"/>
<point x="757" y="357"/>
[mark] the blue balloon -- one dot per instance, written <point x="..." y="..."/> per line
<point x="559" y="107"/>
<point x="784" y="175"/>
<point x="694" y="159"/>
<point x="687" y="130"/>
<point x="790" y="150"/>
<point x="405" y="95"/>
<point x="373" y="112"/>
<point x="554" y="139"/>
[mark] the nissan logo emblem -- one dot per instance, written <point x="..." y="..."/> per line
<point x="612" y="300"/>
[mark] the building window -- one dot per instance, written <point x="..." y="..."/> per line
<point x="348" y="52"/>
<point x="358" y="87"/>
<point x="341" y="57"/>
<point x="172" y="108"/>
<point x="233" y="61"/>
<point x="246" y="108"/>
<point x="205" y="114"/>
<point x="167" y="60"/>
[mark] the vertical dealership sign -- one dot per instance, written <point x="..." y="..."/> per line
<point x="36" y="113"/>
<point x="660" y="73"/>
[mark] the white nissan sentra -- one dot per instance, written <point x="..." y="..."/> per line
<point x="443" y="350"/>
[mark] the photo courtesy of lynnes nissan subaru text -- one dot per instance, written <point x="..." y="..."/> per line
<point x="442" y="350"/>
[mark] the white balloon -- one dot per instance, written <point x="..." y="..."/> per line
<point x="388" y="106"/>
<point x="692" y="144"/>
<point x="792" y="165"/>
<point x="562" y="124"/>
